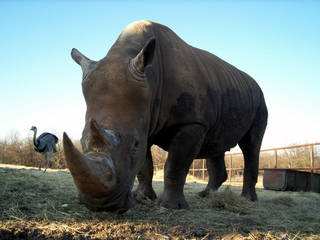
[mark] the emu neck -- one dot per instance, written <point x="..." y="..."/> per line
<point x="35" y="137"/>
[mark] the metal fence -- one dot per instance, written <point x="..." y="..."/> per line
<point x="304" y="157"/>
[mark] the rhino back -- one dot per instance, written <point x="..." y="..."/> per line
<point x="200" y="88"/>
<point x="192" y="86"/>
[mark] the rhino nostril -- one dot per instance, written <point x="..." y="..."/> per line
<point x="109" y="177"/>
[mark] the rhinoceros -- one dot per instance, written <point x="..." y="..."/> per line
<point x="154" y="88"/>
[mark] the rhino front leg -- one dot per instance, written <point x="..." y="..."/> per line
<point x="145" y="178"/>
<point x="183" y="149"/>
<point x="217" y="174"/>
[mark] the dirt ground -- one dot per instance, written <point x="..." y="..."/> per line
<point x="34" y="205"/>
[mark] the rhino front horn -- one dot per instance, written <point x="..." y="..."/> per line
<point x="82" y="60"/>
<point x="94" y="175"/>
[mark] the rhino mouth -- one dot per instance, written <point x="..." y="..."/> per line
<point x="118" y="202"/>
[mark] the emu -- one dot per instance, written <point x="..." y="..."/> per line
<point x="44" y="144"/>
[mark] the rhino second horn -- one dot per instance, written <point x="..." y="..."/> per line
<point x="97" y="138"/>
<point x="82" y="60"/>
<point x="94" y="176"/>
<point x="100" y="138"/>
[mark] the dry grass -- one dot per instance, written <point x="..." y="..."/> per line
<point x="34" y="205"/>
<point x="230" y="201"/>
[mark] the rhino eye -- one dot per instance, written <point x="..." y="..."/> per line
<point x="136" y="144"/>
<point x="112" y="137"/>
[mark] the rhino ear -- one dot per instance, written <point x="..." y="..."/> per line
<point x="82" y="60"/>
<point x="144" y="57"/>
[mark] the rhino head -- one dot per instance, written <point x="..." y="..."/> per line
<point x="114" y="139"/>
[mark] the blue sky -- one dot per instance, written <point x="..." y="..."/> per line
<point x="276" y="42"/>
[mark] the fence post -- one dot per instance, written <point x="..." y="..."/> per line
<point x="193" y="168"/>
<point x="230" y="167"/>
<point x="202" y="169"/>
<point x="275" y="158"/>
<point x="311" y="166"/>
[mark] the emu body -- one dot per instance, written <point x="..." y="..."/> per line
<point x="44" y="144"/>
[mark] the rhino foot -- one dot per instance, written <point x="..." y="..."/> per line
<point x="252" y="196"/>
<point x="207" y="190"/>
<point x="146" y="191"/>
<point x="173" y="202"/>
<point x="204" y="193"/>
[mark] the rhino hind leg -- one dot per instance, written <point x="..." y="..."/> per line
<point x="183" y="148"/>
<point x="250" y="176"/>
<point x="145" y="179"/>
<point x="250" y="145"/>
<point x="217" y="174"/>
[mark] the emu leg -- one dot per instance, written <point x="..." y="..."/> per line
<point x="44" y="156"/>
<point x="49" y="154"/>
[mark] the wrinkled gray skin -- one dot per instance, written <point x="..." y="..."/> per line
<point x="153" y="88"/>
